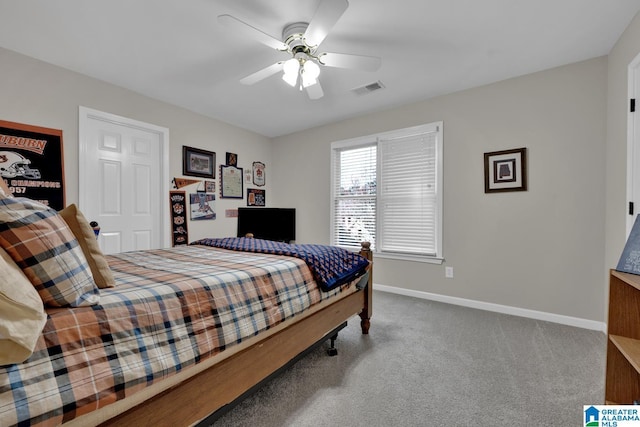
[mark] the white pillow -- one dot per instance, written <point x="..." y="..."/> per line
<point x="22" y="314"/>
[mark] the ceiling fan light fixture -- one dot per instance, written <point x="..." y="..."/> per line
<point x="306" y="81"/>
<point x="291" y="70"/>
<point x="311" y="69"/>
<point x="291" y="79"/>
<point x="310" y="72"/>
<point x="301" y="40"/>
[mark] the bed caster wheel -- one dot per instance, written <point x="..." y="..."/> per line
<point x="332" y="351"/>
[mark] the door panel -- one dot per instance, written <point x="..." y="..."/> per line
<point x="142" y="189"/>
<point x="109" y="187"/>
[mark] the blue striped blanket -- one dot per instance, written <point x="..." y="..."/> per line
<point x="331" y="266"/>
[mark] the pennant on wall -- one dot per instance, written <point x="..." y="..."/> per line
<point x="183" y="182"/>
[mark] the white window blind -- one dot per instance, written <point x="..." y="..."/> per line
<point x="354" y="196"/>
<point x="387" y="189"/>
<point x="407" y="197"/>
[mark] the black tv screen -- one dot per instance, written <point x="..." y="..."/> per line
<point x="278" y="224"/>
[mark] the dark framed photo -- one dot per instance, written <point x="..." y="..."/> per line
<point x="255" y="197"/>
<point x="232" y="159"/>
<point x="505" y="171"/>
<point x="231" y="182"/>
<point x="197" y="162"/>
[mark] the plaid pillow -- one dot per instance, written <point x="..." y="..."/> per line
<point x="43" y="246"/>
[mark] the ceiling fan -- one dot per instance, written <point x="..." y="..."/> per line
<point x="301" y="40"/>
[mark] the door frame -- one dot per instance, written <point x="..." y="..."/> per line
<point x="85" y="114"/>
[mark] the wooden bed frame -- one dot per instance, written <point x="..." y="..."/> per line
<point x="213" y="389"/>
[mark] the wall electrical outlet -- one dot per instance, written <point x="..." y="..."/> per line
<point x="448" y="272"/>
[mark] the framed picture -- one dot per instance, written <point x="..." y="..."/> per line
<point x="258" y="174"/>
<point x="31" y="162"/>
<point x="255" y="197"/>
<point x="197" y="162"/>
<point x="505" y="170"/>
<point x="231" y="186"/>
<point x="210" y="186"/>
<point x="202" y="206"/>
<point x="232" y="159"/>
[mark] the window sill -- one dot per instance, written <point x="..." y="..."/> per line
<point x="400" y="257"/>
<point x="407" y="257"/>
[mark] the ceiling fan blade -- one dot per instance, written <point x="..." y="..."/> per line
<point x="315" y="91"/>
<point x="356" y="62"/>
<point x="323" y="20"/>
<point x="240" y="27"/>
<point x="262" y="74"/>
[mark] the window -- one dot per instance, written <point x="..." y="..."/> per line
<point x="387" y="189"/>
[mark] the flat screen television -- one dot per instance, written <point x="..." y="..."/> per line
<point x="278" y="224"/>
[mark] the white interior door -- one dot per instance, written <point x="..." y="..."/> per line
<point x="633" y="150"/>
<point x="124" y="181"/>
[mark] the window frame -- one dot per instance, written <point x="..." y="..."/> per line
<point x="374" y="139"/>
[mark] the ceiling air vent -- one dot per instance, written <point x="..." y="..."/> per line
<point x="371" y="87"/>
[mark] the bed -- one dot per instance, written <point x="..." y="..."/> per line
<point x="176" y="336"/>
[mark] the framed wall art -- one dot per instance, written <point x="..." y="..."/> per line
<point x="232" y="159"/>
<point x="255" y="197"/>
<point x="32" y="162"/>
<point x="231" y="186"/>
<point x="197" y="162"/>
<point x="505" y="171"/>
<point x="202" y="206"/>
<point x="258" y="174"/>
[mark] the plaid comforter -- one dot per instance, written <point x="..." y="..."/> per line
<point x="170" y="309"/>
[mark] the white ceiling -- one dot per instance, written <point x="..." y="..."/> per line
<point x="176" y="51"/>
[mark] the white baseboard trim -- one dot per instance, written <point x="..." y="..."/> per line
<point x="505" y="309"/>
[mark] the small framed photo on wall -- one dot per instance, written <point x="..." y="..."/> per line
<point x="258" y="174"/>
<point x="505" y="171"/>
<point x="255" y="197"/>
<point x="232" y="159"/>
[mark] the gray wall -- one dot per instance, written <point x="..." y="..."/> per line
<point x="541" y="249"/>
<point x="37" y="93"/>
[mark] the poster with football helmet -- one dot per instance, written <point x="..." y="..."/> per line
<point x="31" y="162"/>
